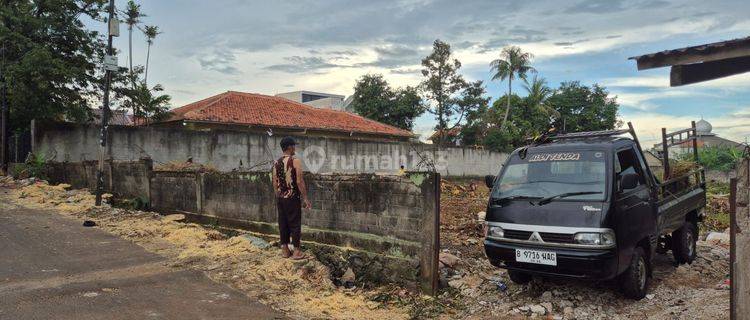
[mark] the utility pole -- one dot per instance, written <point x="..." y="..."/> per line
<point x="113" y="27"/>
<point x="4" y="115"/>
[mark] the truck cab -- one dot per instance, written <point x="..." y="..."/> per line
<point x="587" y="207"/>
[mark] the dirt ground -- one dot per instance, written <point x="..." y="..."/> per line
<point x="301" y="289"/>
<point x="472" y="288"/>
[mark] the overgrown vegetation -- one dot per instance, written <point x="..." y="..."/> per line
<point x="33" y="167"/>
<point x="721" y="158"/>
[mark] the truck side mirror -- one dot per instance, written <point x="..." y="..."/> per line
<point x="489" y="180"/>
<point x="629" y="181"/>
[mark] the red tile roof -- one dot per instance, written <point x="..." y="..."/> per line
<point x="277" y="112"/>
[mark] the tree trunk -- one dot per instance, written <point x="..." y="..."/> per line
<point x="130" y="49"/>
<point x="145" y="74"/>
<point x="130" y="64"/>
<point x="507" y="105"/>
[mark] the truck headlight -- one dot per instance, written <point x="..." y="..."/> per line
<point x="495" y="232"/>
<point x="595" y="238"/>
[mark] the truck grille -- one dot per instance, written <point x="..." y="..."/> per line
<point x="517" y="235"/>
<point x="556" y="237"/>
<point x="546" y="236"/>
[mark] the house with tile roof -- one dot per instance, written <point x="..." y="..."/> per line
<point x="276" y="115"/>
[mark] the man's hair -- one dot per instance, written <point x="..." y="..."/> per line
<point x="287" y="142"/>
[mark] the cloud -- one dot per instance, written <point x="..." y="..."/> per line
<point x="299" y="64"/>
<point x="596" y="6"/>
<point x="644" y="100"/>
<point x="394" y="56"/>
<point x="219" y="61"/>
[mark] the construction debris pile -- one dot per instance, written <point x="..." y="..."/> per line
<point x="695" y="291"/>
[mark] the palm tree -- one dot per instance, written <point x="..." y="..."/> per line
<point x="151" y="32"/>
<point x="133" y="16"/>
<point x="538" y="93"/>
<point x="150" y="103"/>
<point x="512" y="63"/>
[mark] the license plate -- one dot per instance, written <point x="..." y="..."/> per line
<point x="535" y="256"/>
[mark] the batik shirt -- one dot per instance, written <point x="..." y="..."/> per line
<point x="286" y="176"/>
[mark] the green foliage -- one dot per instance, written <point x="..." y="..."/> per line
<point x="50" y="59"/>
<point x="375" y="99"/>
<point x="149" y="103"/>
<point x="513" y="62"/>
<point x="34" y="166"/>
<point x="452" y="97"/>
<point x="721" y="158"/>
<point x="583" y="108"/>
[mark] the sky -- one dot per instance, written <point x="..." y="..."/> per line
<point x="269" y="47"/>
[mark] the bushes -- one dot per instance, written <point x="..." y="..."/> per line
<point x="33" y="167"/>
<point x="720" y="158"/>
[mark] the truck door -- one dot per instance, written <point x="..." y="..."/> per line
<point x="634" y="217"/>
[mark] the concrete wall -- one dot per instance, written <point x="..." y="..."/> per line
<point x="395" y="218"/>
<point x="125" y="179"/>
<point x="740" y="236"/>
<point x="226" y="150"/>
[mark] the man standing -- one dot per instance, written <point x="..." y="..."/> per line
<point x="291" y="197"/>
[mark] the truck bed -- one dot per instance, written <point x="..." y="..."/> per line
<point x="673" y="208"/>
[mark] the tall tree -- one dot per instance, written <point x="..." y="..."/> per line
<point x="151" y="32"/>
<point x="537" y="94"/>
<point x="512" y="63"/>
<point x="375" y="99"/>
<point x="584" y="108"/>
<point x="51" y="59"/>
<point x="441" y="85"/>
<point x="150" y="103"/>
<point x="133" y="17"/>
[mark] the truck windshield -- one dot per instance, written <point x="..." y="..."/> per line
<point x="542" y="175"/>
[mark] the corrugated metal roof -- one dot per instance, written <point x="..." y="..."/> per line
<point x="703" y="49"/>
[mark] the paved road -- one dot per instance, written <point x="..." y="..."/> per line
<point x="51" y="267"/>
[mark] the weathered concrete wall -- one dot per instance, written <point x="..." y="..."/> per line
<point x="126" y="179"/>
<point x="741" y="244"/>
<point x="174" y="190"/>
<point x="395" y="218"/>
<point x="226" y="150"/>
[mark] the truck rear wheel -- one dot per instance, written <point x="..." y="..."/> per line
<point x="634" y="281"/>
<point x="519" y="277"/>
<point x="683" y="243"/>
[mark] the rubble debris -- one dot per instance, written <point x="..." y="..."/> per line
<point x="718" y="238"/>
<point x="448" y="259"/>
<point x="256" y="241"/>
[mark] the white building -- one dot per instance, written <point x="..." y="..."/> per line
<point x="318" y="99"/>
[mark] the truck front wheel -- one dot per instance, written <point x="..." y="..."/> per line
<point x="683" y="243"/>
<point x="519" y="277"/>
<point x="634" y="281"/>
